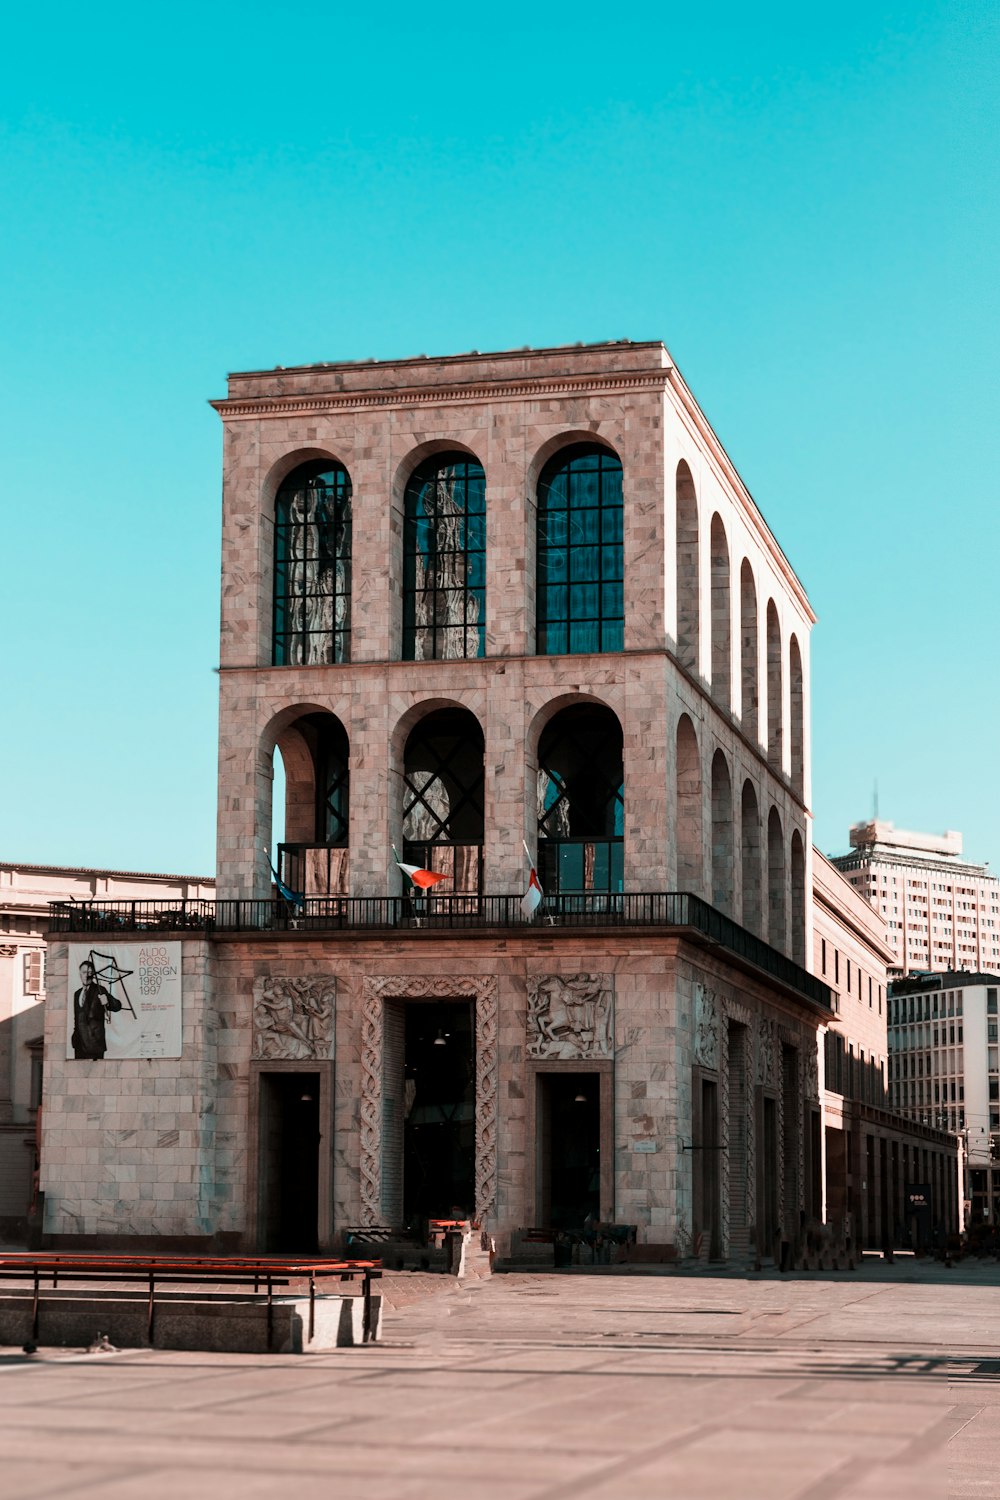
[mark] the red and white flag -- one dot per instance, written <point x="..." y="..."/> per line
<point x="422" y="879"/>
<point x="531" y="900"/>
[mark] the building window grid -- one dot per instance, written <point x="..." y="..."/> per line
<point x="444" y="561"/>
<point x="312" y="567"/>
<point x="580" y="554"/>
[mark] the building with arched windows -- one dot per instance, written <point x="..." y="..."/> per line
<point x="476" y="611"/>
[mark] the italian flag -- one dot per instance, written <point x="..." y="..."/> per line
<point x="422" y="879"/>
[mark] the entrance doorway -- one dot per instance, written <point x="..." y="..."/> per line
<point x="439" y="1110"/>
<point x="568" y="1114"/>
<point x="288" y="1177"/>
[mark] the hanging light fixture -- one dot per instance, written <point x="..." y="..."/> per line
<point x="580" y="1099"/>
<point x="305" y="1098"/>
<point x="439" y="1040"/>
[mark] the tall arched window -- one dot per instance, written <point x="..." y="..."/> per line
<point x="722" y="655"/>
<point x="444" y="560"/>
<point x="722" y="834"/>
<point x="688" y="573"/>
<point x="312" y="566"/>
<point x="749" y="669"/>
<point x="579" y="561"/>
<point x="689" y="815"/>
<point x="798" y="899"/>
<point x="443" y="806"/>
<point x="775" y="707"/>
<point x="796" y="693"/>
<point x="581" y="801"/>
<point x="775" y="882"/>
<point x="752" y="873"/>
<point x="313" y="857"/>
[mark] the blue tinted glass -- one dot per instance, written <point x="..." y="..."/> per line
<point x="555" y="603"/>
<point x="585" y="489"/>
<point x="583" y="602"/>
<point x="611" y="562"/>
<point x="552" y="566"/>
<point x="553" y="530"/>
<point x="585" y="526"/>
<point x="611" y="601"/>
<point x="612" y="636"/>
<point x="571" y="867"/>
<point x="584" y="564"/>
<point x="552" y="493"/>
<point x="584" y="636"/>
<point x="552" y="640"/>
<point x="611" y="525"/>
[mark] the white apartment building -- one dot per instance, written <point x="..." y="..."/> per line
<point x="942" y="912"/>
<point x="944" y="1067"/>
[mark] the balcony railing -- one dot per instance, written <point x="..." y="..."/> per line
<point x="358" y="915"/>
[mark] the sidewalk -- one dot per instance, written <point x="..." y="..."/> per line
<point x="869" y="1385"/>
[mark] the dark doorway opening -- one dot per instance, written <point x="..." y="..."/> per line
<point x="569" y="1149"/>
<point x="289" y="1162"/>
<point x="439" y="1111"/>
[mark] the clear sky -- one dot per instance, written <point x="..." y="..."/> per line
<point x="801" y="202"/>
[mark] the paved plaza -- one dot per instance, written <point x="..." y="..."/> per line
<point x="881" y="1383"/>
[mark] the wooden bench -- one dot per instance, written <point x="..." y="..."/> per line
<point x="150" y="1271"/>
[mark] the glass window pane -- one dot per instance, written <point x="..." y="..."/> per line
<point x="588" y="479"/>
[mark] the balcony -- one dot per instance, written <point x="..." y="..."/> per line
<point x="361" y="916"/>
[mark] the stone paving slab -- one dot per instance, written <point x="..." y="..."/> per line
<point x="869" y="1386"/>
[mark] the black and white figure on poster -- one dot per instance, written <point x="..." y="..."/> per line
<point x="92" y="1003"/>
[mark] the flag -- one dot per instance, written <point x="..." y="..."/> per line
<point x="532" y="898"/>
<point x="422" y="879"/>
<point x="294" y="898"/>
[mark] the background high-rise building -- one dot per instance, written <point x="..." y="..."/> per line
<point x="942" y="912"/>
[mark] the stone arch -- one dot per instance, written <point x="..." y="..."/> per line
<point x="570" y="438"/>
<point x="688" y="569"/>
<point x="689" y="840"/>
<point x="420" y="453"/>
<point x="288" y="462"/>
<point x="721" y="618"/>
<point x="798" y="899"/>
<point x="775" y="882"/>
<point x="749" y="662"/>
<point x="442" y="782"/>
<point x="580" y="800"/>
<point x="774" y="688"/>
<point x="751" y="868"/>
<point x="313" y="857"/>
<point x="797" y="725"/>
<point x="722" y="834"/>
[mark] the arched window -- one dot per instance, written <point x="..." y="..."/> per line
<point x="688" y="574"/>
<point x="581" y="801"/>
<point x="796" y="693"/>
<point x="579" y="563"/>
<point x="775" y="882"/>
<point x="443" y="791"/>
<point x="689" y="815"/>
<point x="312" y="858"/>
<point x="722" y="653"/>
<point x="722" y="835"/>
<point x="312" y="566"/>
<point x="749" y="669"/>
<point x="444" y="560"/>
<point x="752" y="873"/>
<point x="774" y="688"/>
<point x="798" y="899"/>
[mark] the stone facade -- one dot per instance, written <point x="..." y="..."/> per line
<point x="702" y="1051"/>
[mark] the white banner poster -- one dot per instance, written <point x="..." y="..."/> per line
<point x="124" y="1000"/>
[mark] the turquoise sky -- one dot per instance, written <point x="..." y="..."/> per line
<point x="801" y="202"/>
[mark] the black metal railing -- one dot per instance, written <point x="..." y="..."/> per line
<point x="357" y="914"/>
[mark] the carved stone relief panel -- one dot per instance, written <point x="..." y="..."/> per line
<point x="706" y="1028"/>
<point x="810" y="1070"/>
<point x="767" y="1044"/>
<point x="570" y="1018"/>
<point x="483" y="991"/>
<point x="293" y="1019"/>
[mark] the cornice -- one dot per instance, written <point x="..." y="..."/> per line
<point x="304" y="404"/>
